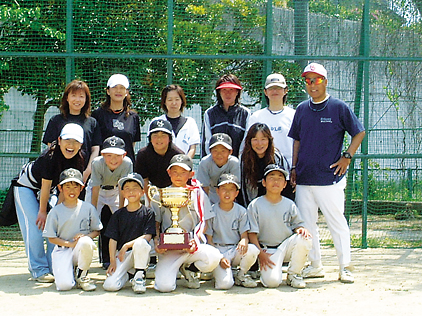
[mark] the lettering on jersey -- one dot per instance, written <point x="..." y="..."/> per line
<point x="117" y="124"/>
<point x="326" y="120"/>
<point x="276" y="129"/>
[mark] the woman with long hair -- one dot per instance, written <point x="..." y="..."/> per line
<point x="259" y="151"/>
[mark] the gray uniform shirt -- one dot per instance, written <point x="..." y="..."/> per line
<point x="102" y="175"/>
<point x="209" y="173"/>
<point x="273" y="222"/>
<point x="64" y="222"/>
<point x="188" y="217"/>
<point x="227" y="227"/>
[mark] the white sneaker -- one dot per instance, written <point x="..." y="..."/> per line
<point x="312" y="272"/>
<point x="138" y="285"/>
<point x="85" y="284"/>
<point x="192" y="281"/>
<point x="245" y="281"/>
<point x="45" y="278"/>
<point x="346" y="276"/>
<point x="296" y="281"/>
<point x="255" y="274"/>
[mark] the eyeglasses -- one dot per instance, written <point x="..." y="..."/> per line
<point x="317" y="80"/>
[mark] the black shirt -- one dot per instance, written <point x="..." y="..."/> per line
<point x="118" y="124"/>
<point x="153" y="166"/>
<point x="125" y="226"/>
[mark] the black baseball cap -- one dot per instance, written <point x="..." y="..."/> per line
<point x="275" y="167"/>
<point x="70" y="175"/>
<point x="181" y="160"/>
<point x="228" y="178"/>
<point x="114" y="145"/>
<point x="160" y="126"/>
<point x="132" y="177"/>
<point x="221" y="139"/>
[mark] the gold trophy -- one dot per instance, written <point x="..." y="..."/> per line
<point x="175" y="237"/>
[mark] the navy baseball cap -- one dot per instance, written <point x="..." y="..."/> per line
<point x="228" y="178"/>
<point x="114" y="145"/>
<point x="275" y="167"/>
<point x="160" y="126"/>
<point x="221" y="139"/>
<point x="132" y="177"/>
<point x="70" y="175"/>
<point x="181" y="160"/>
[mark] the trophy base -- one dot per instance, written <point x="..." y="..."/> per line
<point x="174" y="241"/>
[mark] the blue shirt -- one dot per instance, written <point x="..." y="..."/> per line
<point x="320" y="128"/>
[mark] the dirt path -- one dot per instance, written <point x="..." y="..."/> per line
<point x="388" y="282"/>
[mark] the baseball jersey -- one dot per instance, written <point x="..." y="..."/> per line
<point x="125" y="226"/>
<point x="92" y="133"/>
<point x="102" y="175"/>
<point x="273" y="223"/>
<point x="209" y="173"/>
<point x="153" y="166"/>
<point x="65" y="223"/>
<point x="188" y="215"/>
<point x="226" y="227"/>
<point x="127" y="127"/>
<point x="320" y="128"/>
<point x="187" y="135"/>
<point x="279" y="124"/>
<point x="232" y="122"/>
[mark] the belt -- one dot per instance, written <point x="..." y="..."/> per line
<point x="108" y="187"/>
<point x="268" y="247"/>
<point x="225" y="245"/>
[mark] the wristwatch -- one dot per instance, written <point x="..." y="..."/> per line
<point x="347" y="155"/>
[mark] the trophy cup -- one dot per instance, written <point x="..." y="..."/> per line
<point x="175" y="237"/>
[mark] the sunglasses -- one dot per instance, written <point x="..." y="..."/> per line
<point x="317" y="80"/>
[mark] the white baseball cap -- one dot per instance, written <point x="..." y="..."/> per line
<point x="315" y="68"/>
<point x="72" y="131"/>
<point x="275" y="80"/>
<point x="117" y="79"/>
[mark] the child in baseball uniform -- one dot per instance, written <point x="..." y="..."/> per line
<point x="228" y="232"/>
<point x="71" y="226"/>
<point x="130" y="229"/>
<point x="277" y="231"/>
<point x="106" y="170"/>
<point x="192" y="219"/>
<point x="218" y="162"/>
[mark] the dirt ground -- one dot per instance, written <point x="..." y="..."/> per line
<point x="387" y="282"/>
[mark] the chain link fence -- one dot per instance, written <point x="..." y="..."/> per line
<point x="371" y="49"/>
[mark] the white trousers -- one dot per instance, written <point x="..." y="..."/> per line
<point x="65" y="259"/>
<point x="224" y="277"/>
<point x="294" y="250"/>
<point x="206" y="259"/>
<point x="105" y="197"/>
<point x="137" y="258"/>
<point x="330" y="200"/>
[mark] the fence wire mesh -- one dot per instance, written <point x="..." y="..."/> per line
<point x="371" y="49"/>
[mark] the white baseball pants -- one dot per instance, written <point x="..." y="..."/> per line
<point x="206" y="259"/>
<point x="105" y="197"/>
<point x="330" y="200"/>
<point x="224" y="277"/>
<point x="137" y="258"/>
<point x="295" y="250"/>
<point x="65" y="259"/>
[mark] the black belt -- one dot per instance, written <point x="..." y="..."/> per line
<point x="268" y="247"/>
<point x="107" y="187"/>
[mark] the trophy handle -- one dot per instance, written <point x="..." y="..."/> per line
<point x="153" y="190"/>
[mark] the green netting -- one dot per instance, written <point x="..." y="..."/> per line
<point x="370" y="48"/>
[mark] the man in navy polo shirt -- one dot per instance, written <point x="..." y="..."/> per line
<point x="319" y="166"/>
